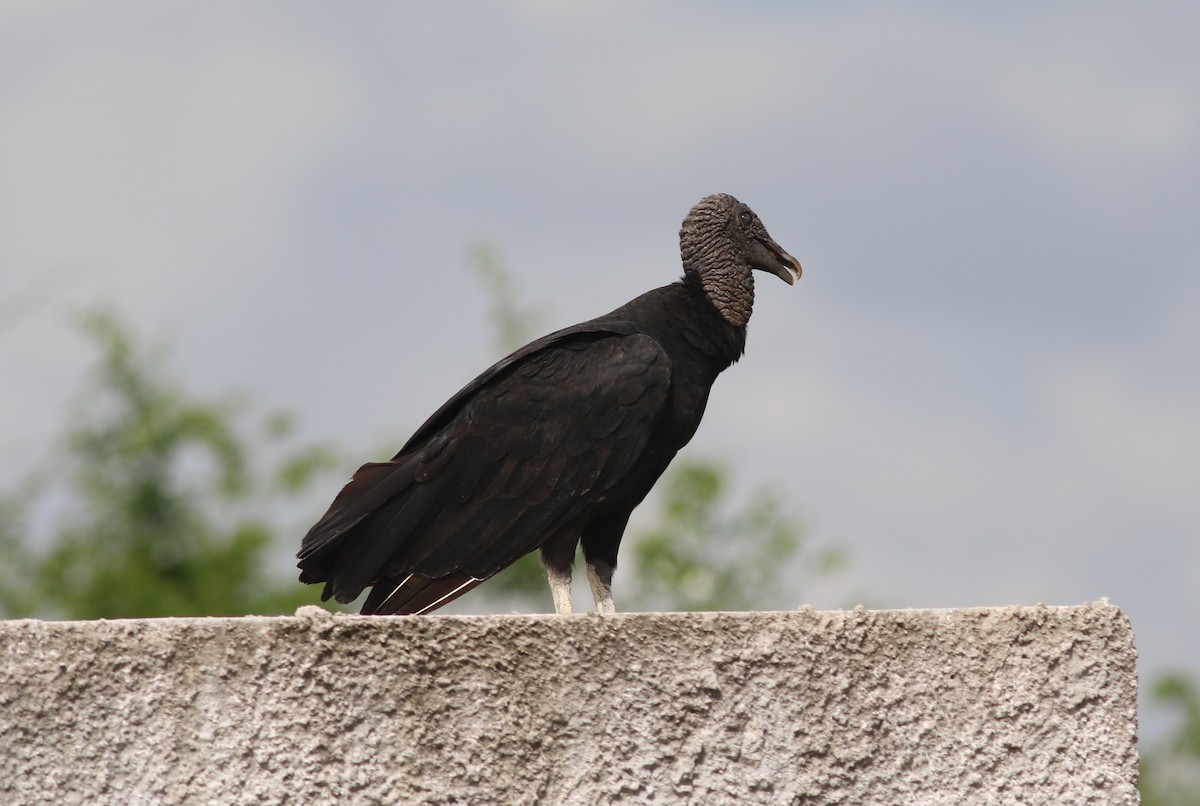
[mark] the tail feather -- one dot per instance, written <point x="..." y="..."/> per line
<point x="415" y="593"/>
<point x="368" y="489"/>
<point x="382" y="535"/>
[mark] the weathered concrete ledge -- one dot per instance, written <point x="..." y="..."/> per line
<point x="1031" y="705"/>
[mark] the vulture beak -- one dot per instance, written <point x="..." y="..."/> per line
<point x="769" y="256"/>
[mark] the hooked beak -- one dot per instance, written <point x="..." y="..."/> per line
<point x="769" y="256"/>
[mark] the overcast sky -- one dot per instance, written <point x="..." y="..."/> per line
<point x="985" y="386"/>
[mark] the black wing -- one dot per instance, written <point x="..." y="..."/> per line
<point x="501" y="467"/>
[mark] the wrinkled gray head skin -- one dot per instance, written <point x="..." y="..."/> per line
<point x="722" y="241"/>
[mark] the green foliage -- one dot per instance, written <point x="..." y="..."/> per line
<point x="166" y="509"/>
<point x="699" y="556"/>
<point x="1170" y="771"/>
<point x="18" y="563"/>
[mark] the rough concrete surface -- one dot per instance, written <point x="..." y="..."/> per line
<point x="1030" y="705"/>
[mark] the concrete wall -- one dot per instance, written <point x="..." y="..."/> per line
<point x="1011" y="705"/>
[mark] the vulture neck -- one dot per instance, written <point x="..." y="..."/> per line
<point x="727" y="282"/>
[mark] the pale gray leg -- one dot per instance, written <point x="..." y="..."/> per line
<point x="600" y="577"/>
<point x="560" y="588"/>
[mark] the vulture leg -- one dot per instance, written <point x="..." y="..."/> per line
<point x="600" y="575"/>
<point x="558" y="554"/>
<point x="560" y="588"/>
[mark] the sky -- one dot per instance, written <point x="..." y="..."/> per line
<point x="984" y="387"/>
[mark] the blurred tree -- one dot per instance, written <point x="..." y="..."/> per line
<point x="160" y="505"/>
<point x="697" y="553"/>
<point x="1170" y="769"/>
<point x="513" y="324"/>
<point x="18" y="563"/>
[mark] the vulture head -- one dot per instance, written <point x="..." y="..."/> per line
<point x="721" y="242"/>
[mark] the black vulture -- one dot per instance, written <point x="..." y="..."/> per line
<point x="555" y="445"/>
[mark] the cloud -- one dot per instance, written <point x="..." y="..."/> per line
<point x="1039" y="485"/>
<point x="1084" y="117"/>
<point x="1133" y="440"/>
<point x="155" y="161"/>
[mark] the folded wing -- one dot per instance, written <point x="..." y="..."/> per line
<point x="518" y="455"/>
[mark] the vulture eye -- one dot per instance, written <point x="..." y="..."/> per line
<point x="745" y="217"/>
